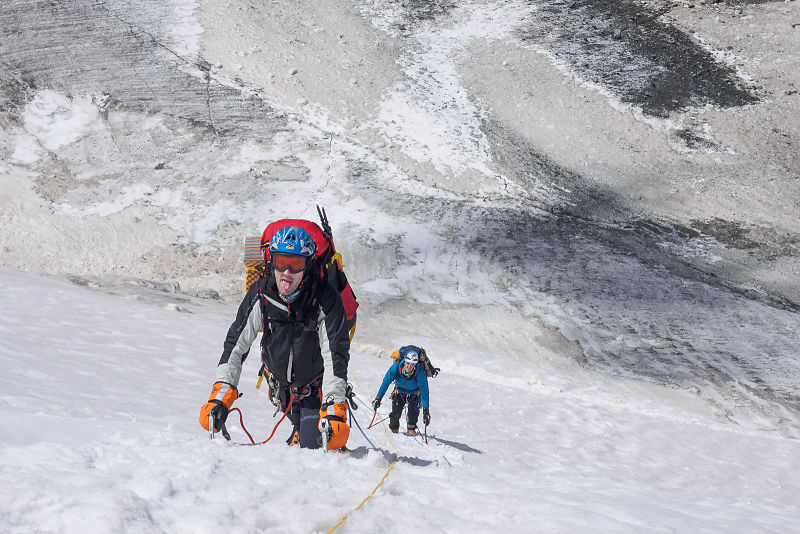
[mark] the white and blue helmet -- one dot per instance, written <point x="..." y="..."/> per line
<point x="292" y="240"/>
<point x="410" y="354"/>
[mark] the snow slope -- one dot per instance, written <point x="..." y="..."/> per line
<point x="101" y="435"/>
<point x="609" y="293"/>
<point x="158" y="185"/>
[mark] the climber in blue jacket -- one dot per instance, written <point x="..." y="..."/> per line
<point x="410" y="386"/>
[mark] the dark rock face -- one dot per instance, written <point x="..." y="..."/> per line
<point x="624" y="47"/>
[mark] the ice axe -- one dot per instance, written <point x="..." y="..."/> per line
<point x="325" y="430"/>
<point x="211" y="428"/>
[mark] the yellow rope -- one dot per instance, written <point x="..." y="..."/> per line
<point x="342" y="520"/>
<point x="387" y="436"/>
<point x="383" y="478"/>
<point x="359" y="387"/>
<point x="382" y="424"/>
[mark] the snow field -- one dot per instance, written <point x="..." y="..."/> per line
<point x="101" y="403"/>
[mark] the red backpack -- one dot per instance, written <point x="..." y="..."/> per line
<point x="329" y="261"/>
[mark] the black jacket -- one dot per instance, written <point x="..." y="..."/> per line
<point x="302" y="340"/>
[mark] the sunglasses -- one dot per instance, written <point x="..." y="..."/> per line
<point x="295" y="264"/>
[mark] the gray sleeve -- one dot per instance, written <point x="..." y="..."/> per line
<point x="333" y="383"/>
<point x="241" y="335"/>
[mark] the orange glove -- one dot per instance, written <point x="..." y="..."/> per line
<point x="218" y="405"/>
<point x="339" y="430"/>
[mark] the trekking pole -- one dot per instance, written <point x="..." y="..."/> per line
<point x="426" y="433"/>
<point x="382" y="420"/>
<point x="373" y="418"/>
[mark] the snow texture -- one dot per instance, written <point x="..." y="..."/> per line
<point x="100" y="408"/>
<point x="608" y="282"/>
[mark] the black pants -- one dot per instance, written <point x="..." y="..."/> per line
<point x="304" y="414"/>
<point x="399" y="400"/>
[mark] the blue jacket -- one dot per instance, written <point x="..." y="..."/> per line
<point x="408" y="386"/>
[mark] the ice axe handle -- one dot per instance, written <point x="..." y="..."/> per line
<point x="324" y="428"/>
<point x="211" y="428"/>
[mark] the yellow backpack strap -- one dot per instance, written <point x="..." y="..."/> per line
<point x="353" y="331"/>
